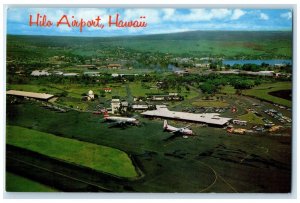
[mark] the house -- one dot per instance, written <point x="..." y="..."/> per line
<point x="114" y="66"/>
<point x="202" y="65"/>
<point x="141" y="107"/>
<point x="92" y="74"/>
<point x="239" y="122"/>
<point x="165" y="97"/>
<point x="107" y="89"/>
<point x="70" y="74"/>
<point x="91" y="95"/>
<point x="40" y="73"/>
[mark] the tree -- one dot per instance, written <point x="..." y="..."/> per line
<point x="63" y="94"/>
<point x="102" y="93"/>
<point x="242" y="84"/>
<point x="187" y="88"/>
<point x="208" y="88"/>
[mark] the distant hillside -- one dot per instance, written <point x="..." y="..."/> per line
<point x="227" y="44"/>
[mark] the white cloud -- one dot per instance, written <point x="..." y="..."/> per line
<point x="263" y="16"/>
<point x="220" y="13"/>
<point x="195" y="15"/>
<point x="168" y="13"/>
<point x="287" y="15"/>
<point x="152" y="15"/>
<point x="200" y="15"/>
<point x="237" y="13"/>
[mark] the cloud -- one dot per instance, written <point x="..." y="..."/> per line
<point x="152" y="15"/>
<point x="287" y="15"/>
<point x="237" y="13"/>
<point x="168" y="13"/>
<point x="263" y="16"/>
<point x="195" y="15"/>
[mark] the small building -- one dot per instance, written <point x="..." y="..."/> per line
<point x="140" y="107"/>
<point x="124" y="105"/>
<point x="239" y="122"/>
<point x="58" y="72"/>
<point x="107" y="89"/>
<point x="114" y="66"/>
<point x="266" y="73"/>
<point x="279" y="65"/>
<point x="70" y="74"/>
<point x="40" y="73"/>
<point x="115" y="105"/>
<point x="202" y="65"/>
<point x="92" y="74"/>
<point x="165" y="97"/>
<point x="91" y="95"/>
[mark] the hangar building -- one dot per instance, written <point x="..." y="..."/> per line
<point x="213" y="119"/>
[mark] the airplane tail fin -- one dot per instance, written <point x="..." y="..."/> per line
<point x="105" y="114"/>
<point x="165" y="124"/>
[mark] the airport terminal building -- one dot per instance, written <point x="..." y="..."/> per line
<point x="33" y="95"/>
<point x="212" y="119"/>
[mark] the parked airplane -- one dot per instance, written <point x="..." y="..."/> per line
<point x="184" y="131"/>
<point x="117" y="120"/>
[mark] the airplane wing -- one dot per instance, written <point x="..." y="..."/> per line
<point x="175" y="131"/>
<point x="116" y="123"/>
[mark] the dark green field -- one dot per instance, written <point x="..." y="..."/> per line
<point x="227" y="44"/>
<point x="212" y="161"/>
<point x="20" y="184"/>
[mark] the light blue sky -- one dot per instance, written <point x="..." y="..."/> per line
<point x="159" y="20"/>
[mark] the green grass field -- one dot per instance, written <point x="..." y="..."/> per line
<point x="74" y="103"/>
<point x="15" y="183"/>
<point x="251" y="118"/>
<point x="262" y="92"/>
<point x="229" y="44"/>
<point x="138" y="90"/>
<point x="94" y="156"/>
<point x="227" y="89"/>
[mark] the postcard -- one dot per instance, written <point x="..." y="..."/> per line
<point x="149" y="100"/>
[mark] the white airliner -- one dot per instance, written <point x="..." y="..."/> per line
<point x="120" y="120"/>
<point x="184" y="131"/>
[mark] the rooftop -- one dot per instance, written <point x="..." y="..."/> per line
<point x="209" y="118"/>
<point x="29" y="94"/>
<point x="40" y="73"/>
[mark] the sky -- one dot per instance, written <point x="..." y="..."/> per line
<point x="159" y="20"/>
